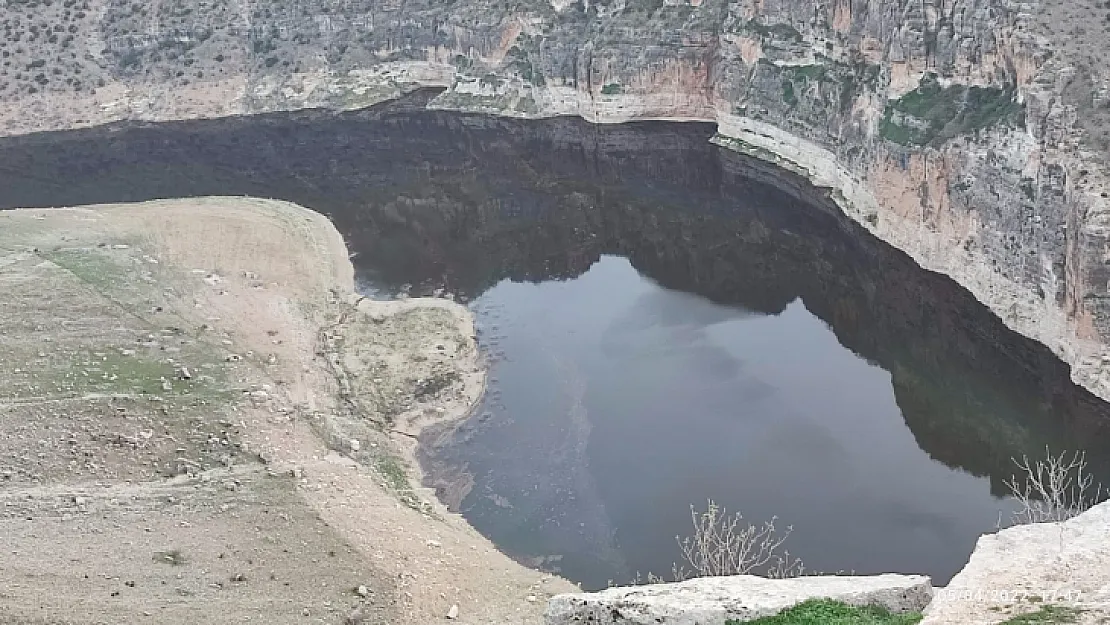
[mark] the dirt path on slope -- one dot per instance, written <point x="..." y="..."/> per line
<point x="200" y="422"/>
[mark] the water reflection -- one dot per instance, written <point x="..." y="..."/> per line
<point x="675" y="318"/>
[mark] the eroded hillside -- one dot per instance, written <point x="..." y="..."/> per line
<point x="188" y="437"/>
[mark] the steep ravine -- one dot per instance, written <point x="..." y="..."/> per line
<point x="968" y="133"/>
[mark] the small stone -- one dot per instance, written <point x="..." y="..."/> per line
<point x="355" y="445"/>
<point x="453" y="613"/>
<point x="434" y="543"/>
<point x="531" y="598"/>
<point x="362" y="591"/>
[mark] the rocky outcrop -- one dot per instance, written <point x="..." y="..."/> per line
<point x="1061" y="568"/>
<point x="966" y="132"/>
<point x="1053" y="572"/>
<point x="717" y="600"/>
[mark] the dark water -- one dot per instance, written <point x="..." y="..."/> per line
<point x="667" y="322"/>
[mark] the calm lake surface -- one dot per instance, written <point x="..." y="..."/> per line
<point x="666" y="322"/>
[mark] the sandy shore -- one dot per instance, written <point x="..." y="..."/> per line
<point x="255" y="460"/>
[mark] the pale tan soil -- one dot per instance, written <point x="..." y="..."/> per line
<point x="196" y="377"/>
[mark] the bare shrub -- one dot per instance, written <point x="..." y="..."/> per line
<point x="726" y="544"/>
<point x="1053" y="489"/>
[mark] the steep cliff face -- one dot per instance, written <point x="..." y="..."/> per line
<point x="968" y="133"/>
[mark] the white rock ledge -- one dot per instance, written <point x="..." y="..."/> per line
<point x="714" y="600"/>
<point x="1024" y="568"/>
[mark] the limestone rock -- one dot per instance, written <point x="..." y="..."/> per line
<point x="714" y="600"/>
<point x="1025" y="568"/>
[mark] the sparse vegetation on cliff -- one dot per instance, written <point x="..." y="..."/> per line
<point x="520" y="60"/>
<point x="932" y="113"/>
<point x="783" y="32"/>
<point x="826" y="84"/>
<point x="788" y="95"/>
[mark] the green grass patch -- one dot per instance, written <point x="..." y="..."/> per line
<point x="116" y="373"/>
<point x="396" y="478"/>
<point x="828" y="612"/>
<point x="932" y="114"/>
<point x="1048" y="615"/>
<point x="91" y="266"/>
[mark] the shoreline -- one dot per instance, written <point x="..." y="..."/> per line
<point x="402" y="531"/>
<point x="1018" y="305"/>
<point x="447" y="410"/>
<point x="251" y="287"/>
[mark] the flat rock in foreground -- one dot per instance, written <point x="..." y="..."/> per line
<point x="1060" y="571"/>
<point x="714" y="600"/>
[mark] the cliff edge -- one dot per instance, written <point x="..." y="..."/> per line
<point x="1040" y="573"/>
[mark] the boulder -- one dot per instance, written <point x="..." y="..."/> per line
<point x="714" y="600"/>
<point x="1061" y="568"/>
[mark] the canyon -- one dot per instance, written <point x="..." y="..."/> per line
<point x="970" y="134"/>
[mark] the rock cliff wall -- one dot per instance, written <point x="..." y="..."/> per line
<point x="969" y="133"/>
